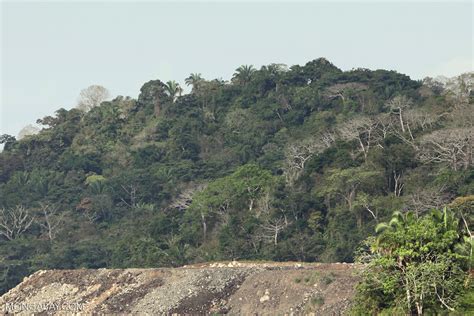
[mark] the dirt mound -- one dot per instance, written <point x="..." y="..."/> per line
<point x="233" y="288"/>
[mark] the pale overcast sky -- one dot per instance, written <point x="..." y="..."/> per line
<point x="51" y="50"/>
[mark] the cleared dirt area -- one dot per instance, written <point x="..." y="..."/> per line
<point x="232" y="288"/>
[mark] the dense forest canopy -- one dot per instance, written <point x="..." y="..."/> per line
<point x="297" y="163"/>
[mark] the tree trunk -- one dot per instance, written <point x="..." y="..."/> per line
<point x="401" y="119"/>
<point x="204" y="225"/>
<point x="359" y="220"/>
<point x="419" y="308"/>
<point x="157" y="108"/>
<point x="409" y="131"/>
<point x="364" y="150"/>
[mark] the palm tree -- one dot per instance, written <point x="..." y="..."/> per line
<point x="243" y="74"/>
<point x="194" y="80"/>
<point x="173" y="89"/>
<point x="398" y="221"/>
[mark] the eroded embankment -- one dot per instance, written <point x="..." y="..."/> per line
<point x="232" y="288"/>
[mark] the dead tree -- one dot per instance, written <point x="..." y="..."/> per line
<point x="462" y="115"/>
<point x="91" y="97"/>
<point x="419" y="118"/>
<point x="296" y="157"/>
<point x="425" y="199"/>
<point x="384" y="124"/>
<point x="264" y="204"/>
<point x="328" y="138"/>
<point x="361" y="129"/>
<point x="50" y="219"/>
<point x="453" y="147"/>
<point x="398" y="183"/>
<point x="131" y="193"/>
<point x="184" y="200"/>
<point x="344" y="90"/>
<point x="460" y="87"/>
<point x="398" y="104"/>
<point x="272" y="228"/>
<point x="299" y="153"/>
<point x="14" y="222"/>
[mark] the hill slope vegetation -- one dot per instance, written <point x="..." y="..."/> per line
<point x="279" y="163"/>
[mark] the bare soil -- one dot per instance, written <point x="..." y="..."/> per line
<point x="231" y="288"/>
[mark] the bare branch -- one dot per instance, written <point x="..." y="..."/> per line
<point x="298" y="153"/>
<point x="91" y="97"/>
<point x="50" y="220"/>
<point x="184" y="200"/>
<point x="361" y="129"/>
<point x="449" y="146"/>
<point x="272" y="228"/>
<point x="14" y="222"/>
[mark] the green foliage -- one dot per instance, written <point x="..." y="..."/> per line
<point x="417" y="264"/>
<point x="170" y="179"/>
<point x="317" y="300"/>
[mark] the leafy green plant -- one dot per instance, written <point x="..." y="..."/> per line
<point x="417" y="264"/>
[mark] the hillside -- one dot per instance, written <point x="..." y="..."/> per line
<point x="281" y="163"/>
<point x="231" y="288"/>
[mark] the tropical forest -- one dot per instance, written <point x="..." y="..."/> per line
<point x="305" y="163"/>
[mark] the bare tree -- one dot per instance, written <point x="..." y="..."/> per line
<point x="384" y="124"/>
<point x="449" y="146"/>
<point x="431" y="86"/>
<point x="408" y="118"/>
<point x="130" y="191"/>
<point x="398" y="185"/>
<point x="420" y="118"/>
<point x="184" y="200"/>
<point x="298" y="153"/>
<point x="14" y="222"/>
<point x="328" y="139"/>
<point x="362" y="129"/>
<point x="264" y="204"/>
<point x="462" y="115"/>
<point x="425" y="199"/>
<point x="50" y="219"/>
<point x="272" y="228"/>
<point x="344" y="90"/>
<point x="398" y="104"/>
<point x="460" y="87"/>
<point x="363" y="200"/>
<point x="27" y="131"/>
<point x="91" y="97"/>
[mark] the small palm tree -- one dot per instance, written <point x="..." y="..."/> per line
<point x="243" y="74"/>
<point x="173" y="89"/>
<point x="398" y="221"/>
<point x="194" y="80"/>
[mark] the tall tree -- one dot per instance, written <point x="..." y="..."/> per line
<point x="91" y="97"/>
<point x="453" y="147"/>
<point x="398" y="104"/>
<point x="14" y="222"/>
<point x="173" y="89"/>
<point x="243" y="74"/>
<point x="194" y="80"/>
<point x="345" y="185"/>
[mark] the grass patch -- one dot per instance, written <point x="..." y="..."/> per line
<point x="317" y="300"/>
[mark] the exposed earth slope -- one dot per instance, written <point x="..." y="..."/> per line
<point x="233" y="288"/>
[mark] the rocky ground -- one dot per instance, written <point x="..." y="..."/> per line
<point x="232" y="288"/>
